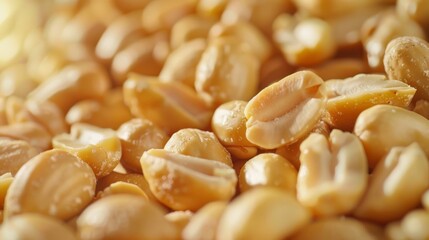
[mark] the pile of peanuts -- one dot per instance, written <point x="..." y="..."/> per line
<point x="214" y="119"/>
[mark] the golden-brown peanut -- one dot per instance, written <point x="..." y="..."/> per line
<point x="110" y="10"/>
<point x="259" y="13"/>
<point x="245" y="32"/>
<point x="203" y="223"/>
<point x="132" y="178"/>
<point x="396" y="185"/>
<point x="393" y="231"/>
<point x="14" y="154"/>
<point x="268" y="170"/>
<point x="347" y="98"/>
<point x="15" y="81"/>
<point x="53" y="183"/>
<point x="5" y="180"/>
<point x="407" y="60"/>
<point x="422" y="108"/>
<point x="211" y="8"/>
<point x="163" y="14"/>
<point x="418" y="10"/>
<point x="425" y="200"/>
<point x="187" y="183"/>
<point x="179" y="218"/>
<point x="75" y="82"/>
<point x="30" y="132"/>
<point x="384" y="126"/>
<point x="108" y="112"/>
<point x="330" y="8"/>
<point x="306" y="42"/>
<point x="122" y="188"/>
<point x="333" y="173"/>
<point x="171" y="106"/>
<point x="415" y="223"/>
<point x="36" y="227"/>
<point x="273" y="70"/>
<point x="144" y="56"/>
<point x="120" y="33"/>
<point x="335" y="228"/>
<point x="182" y="62"/>
<point x="340" y="68"/>
<point x="285" y="111"/>
<point x="189" y="28"/>
<point x="137" y="136"/>
<point x="99" y="148"/>
<point x="124" y="217"/>
<point x="227" y="70"/>
<point x="229" y="125"/>
<point x="198" y="143"/>
<point x="379" y="30"/>
<point x="260" y="214"/>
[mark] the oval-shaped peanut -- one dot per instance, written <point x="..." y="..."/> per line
<point x="124" y="217"/>
<point x="382" y="127"/>
<point x="14" y="154"/>
<point x="31" y="132"/>
<point x="184" y="182"/>
<point x="53" y="183"/>
<point x="396" y="185"/>
<point x="285" y="111"/>
<point x="260" y="214"/>
<point x="190" y="28"/>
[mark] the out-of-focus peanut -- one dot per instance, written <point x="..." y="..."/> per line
<point x="340" y="68"/>
<point x="53" y="183"/>
<point x="415" y="223"/>
<point x="422" y="108"/>
<point x="5" y="180"/>
<point x="137" y="136"/>
<point x="14" y="154"/>
<point x="268" y="170"/>
<point x="15" y="81"/>
<point x="330" y="8"/>
<point x="396" y="185"/>
<point x="407" y="60"/>
<point x="30" y="132"/>
<point x="347" y="98"/>
<point x="273" y="70"/>
<point x="122" y="188"/>
<point x="384" y="126"/>
<point x="183" y="182"/>
<point x="261" y="213"/>
<point x="179" y="218"/>
<point x="124" y="217"/>
<point x="99" y="148"/>
<point x="418" y="10"/>
<point x="190" y="28"/>
<point x="285" y="111"/>
<point x="198" y="143"/>
<point x="211" y="8"/>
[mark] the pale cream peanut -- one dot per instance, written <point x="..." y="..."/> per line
<point x="122" y="188"/>
<point x="99" y="148"/>
<point x="415" y="223"/>
<point x="333" y="174"/>
<point x="53" y="183"/>
<point x="285" y="111"/>
<point x="396" y="185"/>
<point x="198" y="143"/>
<point x="190" y="28"/>
<point x="260" y="214"/>
<point x="184" y="182"/>
<point x="418" y="10"/>
<point x="15" y="81"/>
<point x="179" y="218"/>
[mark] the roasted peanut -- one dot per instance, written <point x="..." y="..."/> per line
<point x="245" y="32"/>
<point x="190" y="28"/>
<point x="211" y="8"/>
<point x="396" y="185"/>
<point x="418" y="10"/>
<point x="179" y="218"/>
<point x="122" y="188"/>
<point x="36" y="227"/>
<point x="198" y="143"/>
<point x="228" y="70"/>
<point x="99" y="148"/>
<point x="384" y="126"/>
<point x="75" y="82"/>
<point x="340" y="68"/>
<point x="330" y="8"/>
<point x="415" y="223"/>
<point x="393" y="231"/>
<point x="5" y="180"/>
<point x="53" y="183"/>
<point x="132" y="178"/>
<point x="144" y="56"/>
<point x="379" y="30"/>
<point x="181" y="64"/>
<point x="203" y="224"/>
<point x="349" y="97"/>
<point x="422" y="108"/>
<point x="273" y="70"/>
<point x="14" y="154"/>
<point x="306" y="42"/>
<point x="120" y="33"/>
<point x="270" y="170"/>
<point x="171" y="106"/>
<point x="407" y="60"/>
<point x="285" y="111"/>
<point x="425" y="200"/>
<point x="229" y="125"/>
<point x="124" y="217"/>
<point x="30" y="132"/>
<point x="137" y="136"/>
<point x="335" y="228"/>
<point x="108" y="112"/>
<point x="43" y="62"/>
<point x="187" y="183"/>
<point x="15" y="81"/>
<point x="333" y="173"/>
<point x="261" y="212"/>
